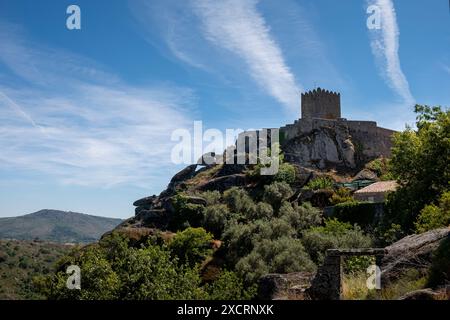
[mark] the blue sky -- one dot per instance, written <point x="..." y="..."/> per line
<point x="86" y="115"/>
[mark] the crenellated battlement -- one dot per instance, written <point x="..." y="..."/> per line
<point x="320" y="103"/>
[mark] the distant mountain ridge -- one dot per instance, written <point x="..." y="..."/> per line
<point x="56" y="226"/>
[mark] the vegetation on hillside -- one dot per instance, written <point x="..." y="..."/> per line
<point x="22" y="261"/>
<point x="220" y="246"/>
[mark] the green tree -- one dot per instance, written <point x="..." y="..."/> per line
<point x="276" y="193"/>
<point x="333" y="235"/>
<point x="216" y="218"/>
<point x="421" y="164"/>
<point x="433" y="216"/>
<point x="192" y="245"/>
<point x="229" y="286"/>
<point x="282" y="255"/>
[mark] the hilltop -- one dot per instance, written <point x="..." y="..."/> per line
<point x="56" y="226"/>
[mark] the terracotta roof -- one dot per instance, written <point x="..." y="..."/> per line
<point x="381" y="186"/>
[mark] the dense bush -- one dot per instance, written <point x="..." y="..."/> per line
<point x="113" y="270"/>
<point x="186" y="214"/>
<point x="229" y="286"/>
<point x="341" y="195"/>
<point x="432" y="216"/>
<point x="211" y="197"/>
<point x="361" y="213"/>
<point x="334" y="234"/>
<point x="300" y="217"/>
<point x="420" y="164"/>
<point x="320" y="183"/>
<point x="380" y="167"/>
<point x="216" y="218"/>
<point x="192" y="245"/>
<point x="239" y="201"/>
<point x="276" y="193"/>
<point x="286" y="173"/>
<point x="282" y="255"/>
<point x="262" y="211"/>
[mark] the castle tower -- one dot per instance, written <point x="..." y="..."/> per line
<point x="322" y="104"/>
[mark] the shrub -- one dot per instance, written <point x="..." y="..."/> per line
<point x="239" y="201"/>
<point x="238" y="240"/>
<point x="432" y="216"/>
<point x="386" y="235"/>
<point x="216" y="218"/>
<point x="300" y="217"/>
<point x="149" y="272"/>
<point x="334" y="234"/>
<point x="192" y="245"/>
<point x="381" y="168"/>
<point x="263" y="211"/>
<point x="277" y="192"/>
<point x="361" y="213"/>
<point x="186" y="214"/>
<point x="211" y="197"/>
<point x="229" y="286"/>
<point x="282" y="255"/>
<point x="286" y="173"/>
<point x="320" y="183"/>
<point x="341" y="195"/>
<point x="99" y="280"/>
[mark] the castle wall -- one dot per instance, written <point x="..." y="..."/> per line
<point x="374" y="141"/>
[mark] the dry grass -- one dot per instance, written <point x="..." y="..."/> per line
<point x="203" y="176"/>
<point x="354" y="286"/>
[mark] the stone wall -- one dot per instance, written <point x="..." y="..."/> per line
<point x="327" y="283"/>
<point x="374" y="141"/>
<point x="321" y="103"/>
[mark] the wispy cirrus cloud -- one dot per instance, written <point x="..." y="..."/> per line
<point x="214" y="35"/>
<point x="385" y="46"/>
<point x="81" y="127"/>
<point x="238" y="27"/>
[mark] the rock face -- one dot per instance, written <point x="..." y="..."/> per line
<point x="423" y="294"/>
<point x="414" y="251"/>
<point x="288" y="286"/>
<point x="321" y="148"/>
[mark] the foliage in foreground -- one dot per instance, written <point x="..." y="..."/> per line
<point x="420" y="163"/>
<point x="114" y="270"/>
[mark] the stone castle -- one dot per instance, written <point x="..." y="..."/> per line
<point x="322" y="139"/>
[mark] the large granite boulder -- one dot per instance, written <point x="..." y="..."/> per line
<point x="223" y="183"/>
<point x="414" y="251"/>
<point x="321" y="148"/>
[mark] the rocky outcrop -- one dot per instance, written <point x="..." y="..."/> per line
<point x="414" y="251"/>
<point x="425" y="294"/>
<point x="365" y="174"/>
<point x="290" y="286"/>
<point x="223" y="183"/>
<point x="321" y="148"/>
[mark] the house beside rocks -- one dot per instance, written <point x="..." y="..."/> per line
<point x="376" y="192"/>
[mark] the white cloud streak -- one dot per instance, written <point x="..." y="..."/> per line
<point x="228" y="38"/>
<point x="88" y="130"/>
<point x="385" y="46"/>
<point x="238" y="27"/>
